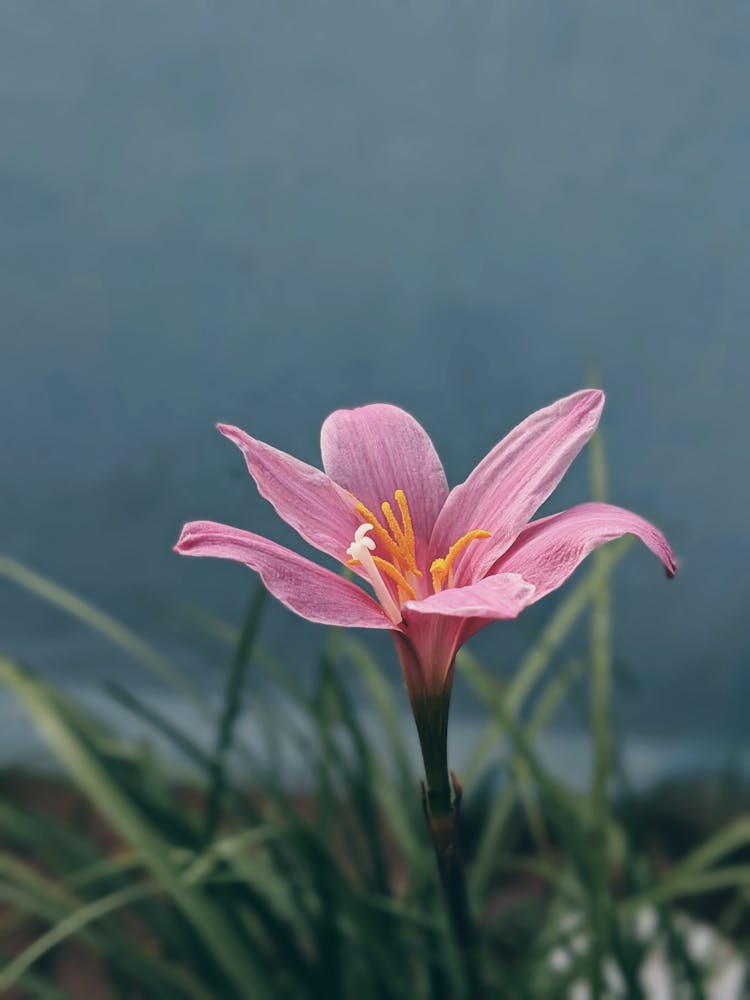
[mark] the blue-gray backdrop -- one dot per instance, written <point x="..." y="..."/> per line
<point x="260" y="211"/>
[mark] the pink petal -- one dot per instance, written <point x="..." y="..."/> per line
<point x="374" y="451"/>
<point x="547" y="551"/>
<point x="503" y="595"/>
<point x="427" y="651"/>
<point x="302" y="495"/>
<point x="439" y="625"/>
<point x="311" y="591"/>
<point x="514" y="479"/>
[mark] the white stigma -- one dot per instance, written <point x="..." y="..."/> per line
<point x="360" y="550"/>
<point x="361" y="542"/>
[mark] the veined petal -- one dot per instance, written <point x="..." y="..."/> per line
<point x="302" y="495"/>
<point x="503" y="595"/>
<point x="515" y="478"/>
<point x="309" y="590"/>
<point x="547" y="551"/>
<point x="378" y="449"/>
<point x="439" y="625"/>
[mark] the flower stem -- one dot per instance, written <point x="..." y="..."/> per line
<point x="441" y="799"/>
<point x="444" y="831"/>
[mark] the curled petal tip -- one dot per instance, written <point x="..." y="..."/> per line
<point x="593" y="398"/>
<point x="588" y="404"/>
<point x="548" y="550"/>
<point x="237" y="436"/>
<point x="668" y="558"/>
<point x="186" y="540"/>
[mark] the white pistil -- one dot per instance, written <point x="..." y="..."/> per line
<point x="360" y="550"/>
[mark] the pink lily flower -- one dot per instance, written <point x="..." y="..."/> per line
<point x="441" y="564"/>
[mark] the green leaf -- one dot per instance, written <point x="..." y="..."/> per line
<point x="219" y="935"/>
<point x="232" y="698"/>
<point x="538" y="658"/>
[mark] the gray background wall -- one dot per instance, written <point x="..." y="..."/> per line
<point x="258" y="212"/>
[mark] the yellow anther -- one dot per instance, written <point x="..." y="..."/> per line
<point x="398" y="539"/>
<point x="410" y="542"/>
<point x="380" y="532"/>
<point x="393" y="524"/>
<point x="441" y="568"/>
<point x="439" y="571"/>
<point x="398" y="544"/>
<point x="390" y="570"/>
<point x="461" y="544"/>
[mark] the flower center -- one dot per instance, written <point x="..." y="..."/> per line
<point x="399" y="542"/>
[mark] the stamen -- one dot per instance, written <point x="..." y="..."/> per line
<point x="439" y="573"/>
<point x="442" y="568"/>
<point x="400" y="541"/>
<point x="383" y="536"/>
<point x="410" y="542"/>
<point x="403" y="507"/>
<point x="390" y="570"/>
<point x="393" y="524"/>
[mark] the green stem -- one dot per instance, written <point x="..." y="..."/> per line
<point x="431" y="716"/>
<point x="441" y="796"/>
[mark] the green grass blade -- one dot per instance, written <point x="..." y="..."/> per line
<point x="30" y="893"/>
<point x="695" y="874"/>
<point x="38" y="987"/>
<point x="490" y="841"/>
<point x="217" y="932"/>
<point x="103" y="623"/>
<point x="563" y="804"/>
<point x="601" y="916"/>
<point x="396" y="788"/>
<point x="549" y="640"/>
<point x="232" y="701"/>
<point x="179" y="739"/>
<point x="382" y="699"/>
<point x="70" y="925"/>
<point x="61" y="847"/>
